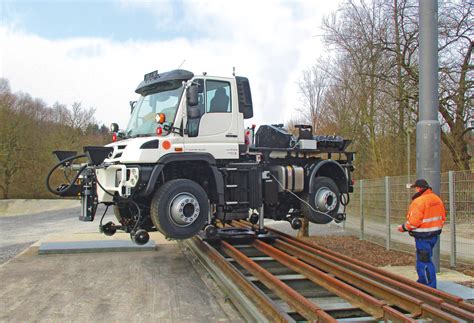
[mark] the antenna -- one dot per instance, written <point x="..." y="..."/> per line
<point x="233" y="70"/>
<point x="181" y="64"/>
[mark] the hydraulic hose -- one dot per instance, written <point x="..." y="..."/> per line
<point x="345" y="199"/>
<point x="62" y="162"/>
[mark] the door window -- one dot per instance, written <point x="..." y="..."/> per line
<point x="217" y="96"/>
<point x="213" y="97"/>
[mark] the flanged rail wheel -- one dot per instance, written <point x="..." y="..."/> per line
<point x="125" y="212"/>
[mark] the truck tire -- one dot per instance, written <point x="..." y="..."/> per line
<point x="324" y="198"/>
<point x="179" y="208"/>
<point x="123" y="211"/>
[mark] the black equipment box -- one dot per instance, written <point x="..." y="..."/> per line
<point x="330" y="142"/>
<point x="305" y="131"/>
<point x="273" y="136"/>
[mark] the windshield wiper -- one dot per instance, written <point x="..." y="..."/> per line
<point x="141" y="135"/>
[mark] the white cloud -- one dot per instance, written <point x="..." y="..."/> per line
<point x="269" y="42"/>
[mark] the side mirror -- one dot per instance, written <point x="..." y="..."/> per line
<point x="132" y="105"/>
<point x="193" y="112"/>
<point x="192" y="95"/>
<point x="114" y="127"/>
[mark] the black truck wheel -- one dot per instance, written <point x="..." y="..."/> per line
<point x="179" y="208"/>
<point x="324" y="198"/>
<point x="125" y="213"/>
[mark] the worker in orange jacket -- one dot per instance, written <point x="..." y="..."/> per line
<point x="425" y="219"/>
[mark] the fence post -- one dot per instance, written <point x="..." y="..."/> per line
<point x="452" y="217"/>
<point x="387" y="212"/>
<point x="361" y="204"/>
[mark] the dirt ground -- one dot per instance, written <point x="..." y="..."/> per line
<point x="376" y="255"/>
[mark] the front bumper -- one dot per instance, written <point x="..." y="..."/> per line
<point x="124" y="180"/>
<point x="116" y="180"/>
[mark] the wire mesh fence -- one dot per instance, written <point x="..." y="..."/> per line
<point x="379" y="205"/>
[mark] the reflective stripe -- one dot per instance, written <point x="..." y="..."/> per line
<point x="409" y="226"/>
<point x="436" y="218"/>
<point x="427" y="229"/>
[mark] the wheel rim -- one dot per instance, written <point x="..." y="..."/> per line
<point x="325" y="200"/>
<point x="184" y="209"/>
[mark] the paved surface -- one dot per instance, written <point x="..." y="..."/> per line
<point x="142" y="286"/>
<point x="18" y="232"/>
<point x="138" y="286"/>
<point x="30" y="206"/>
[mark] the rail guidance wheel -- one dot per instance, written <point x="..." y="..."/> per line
<point x="324" y="198"/>
<point x="180" y="208"/>
<point x="125" y="212"/>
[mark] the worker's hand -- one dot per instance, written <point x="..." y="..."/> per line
<point x="400" y="228"/>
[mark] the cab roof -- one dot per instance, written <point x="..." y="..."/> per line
<point x="154" y="80"/>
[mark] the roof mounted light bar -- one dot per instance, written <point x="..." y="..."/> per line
<point x="151" y="76"/>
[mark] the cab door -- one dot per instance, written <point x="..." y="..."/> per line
<point x="215" y="131"/>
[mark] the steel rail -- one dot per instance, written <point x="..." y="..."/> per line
<point x="446" y="297"/>
<point x="302" y="305"/>
<point x="396" y="289"/>
<point x="263" y="304"/>
<point x="378" y="309"/>
<point x="431" y="296"/>
<point x="393" y="296"/>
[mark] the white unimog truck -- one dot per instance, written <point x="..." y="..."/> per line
<point x="186" y="160"/>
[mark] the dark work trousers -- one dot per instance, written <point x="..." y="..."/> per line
<point x="424" y="266"/>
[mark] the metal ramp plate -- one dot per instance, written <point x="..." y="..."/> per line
<point x="456" y="289"/>
<point x="93" y="246"/>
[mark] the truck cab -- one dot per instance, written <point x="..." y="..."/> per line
<point x="212" y="121"/>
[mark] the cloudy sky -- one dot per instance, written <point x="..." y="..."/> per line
<point x="96" y="52"/>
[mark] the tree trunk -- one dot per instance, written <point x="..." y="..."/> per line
<point x="400" y="88"/>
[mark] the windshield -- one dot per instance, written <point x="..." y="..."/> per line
<point x="142" y="121"/>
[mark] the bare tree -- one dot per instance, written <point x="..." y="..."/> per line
<point x="9" y="141"/>
<point x="79" y="117"/>
<point x="312" y="85"/>
<point x="29" y="131"/>
<point x="456" y="76"/>
<point x="372" y="80"/>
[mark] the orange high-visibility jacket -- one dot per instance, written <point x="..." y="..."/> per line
<point x="426" y="215"/>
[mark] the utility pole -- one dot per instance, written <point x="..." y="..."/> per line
<point x="409" y="132"/>
<point x="428" y="128"/>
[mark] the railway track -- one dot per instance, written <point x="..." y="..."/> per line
<point x="287" y="279"/>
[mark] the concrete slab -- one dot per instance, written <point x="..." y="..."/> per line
<point x="456" y="289"/>
<point x="93" y="246"/>
<point x="445" y="274"/>
<point x="446" y="279"/>
<point x="95" y="242"/>
<point x="107" y="287"/>
<point x="97" y="236"/>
